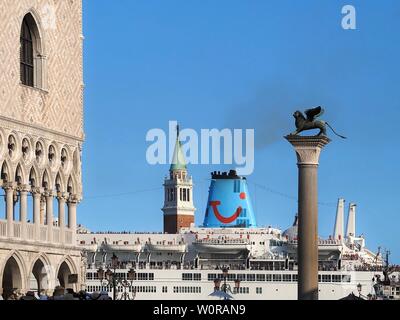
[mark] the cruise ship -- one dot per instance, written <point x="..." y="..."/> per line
<point x="229" y="256"/>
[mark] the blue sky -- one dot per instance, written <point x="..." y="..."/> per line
<point x="242" y="64"/>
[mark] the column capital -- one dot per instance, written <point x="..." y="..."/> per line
<point x="62" y="195"/>
<point x="37" y="191"/>
<point x="48" y="193"/>
<point x="9" y="186"/>
<point x="24" y="188"/>
<point x="308" y="148"/>
<point x="73" y="198"/>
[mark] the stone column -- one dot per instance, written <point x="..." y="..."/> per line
<point x="9" y="190"/>
<point x="308" y="150"/>
<point x="49" y="215"/>
<point x="23" y="209"/>
<point x="72" y="203"/>
<point x="37" y="195"/>
<point x="61" y="197"/>
<point x="42" y="210"/>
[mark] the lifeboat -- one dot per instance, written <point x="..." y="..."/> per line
<point x="90" y="247"/>
<point x="233" y="246"/>
<point x="137" y="247"/>
<point x="167" y="247"/>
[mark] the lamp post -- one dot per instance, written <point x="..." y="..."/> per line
<point x="110" y="277"/>
<point x="217" y="283"/>
<point x="225" y="275"/>
<point x="226" y="288"/>
<point x="237" y="285"/>
<point x="359" y="288"/>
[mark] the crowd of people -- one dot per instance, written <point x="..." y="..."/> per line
<point x="350" y="256"/>
<point x="59" y="293"/>
<point x="368" y="267"/>
<point x="394" y="268"/>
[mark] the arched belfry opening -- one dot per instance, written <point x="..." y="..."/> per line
<point x="31" y="53"/>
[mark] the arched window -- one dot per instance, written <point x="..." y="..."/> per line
<point x="31" y="56"/>
<point x="26" y="53"/>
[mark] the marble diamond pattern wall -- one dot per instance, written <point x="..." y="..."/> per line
<point x="59" y="107"/>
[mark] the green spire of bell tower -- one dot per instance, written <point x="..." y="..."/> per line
<point x="178" y="159"/>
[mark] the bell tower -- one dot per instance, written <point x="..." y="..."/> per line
<point x="178" y="196"/>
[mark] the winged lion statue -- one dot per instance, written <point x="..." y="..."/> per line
<point x="310" y="122"/>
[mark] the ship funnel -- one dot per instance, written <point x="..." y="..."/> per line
<point x="339" y="222"/>
<point x="351" y="221"/>
<point x="229" y="203"/>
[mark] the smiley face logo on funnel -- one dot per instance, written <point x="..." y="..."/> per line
<point x="228" y="202"/>
<point x="233" y="217"/>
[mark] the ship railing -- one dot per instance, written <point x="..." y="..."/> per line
<point x="223" y="241"/>
<point x="321" y="242"/>
<point x="125" y="232"/>
<point x="165" y="243"/>
<point x="368" y="268"/>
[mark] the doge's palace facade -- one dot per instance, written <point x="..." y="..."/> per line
<point x="41" y="135"/>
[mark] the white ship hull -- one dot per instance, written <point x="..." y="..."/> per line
<point x="263" y="261"/>
<point x="168" y="285"/>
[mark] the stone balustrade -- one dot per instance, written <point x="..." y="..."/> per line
<point x="28" y="229"/>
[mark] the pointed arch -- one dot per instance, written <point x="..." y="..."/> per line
<point x="71" y="186"/>
<point x="34" y="177"/>
<point x="68" y="260"/>
<point x="40" y="256"/>
<point x="46" y="181"/>
<point x="59" y="184"/>
<point x="42" y="271"/>
<point x="18" y="257"/>
<point x="65" y="268"/>
<point x="6" y="175"/>
<point x="20" y="176"/>
<point x="13" y="272"/>
<point x="37" y="27"/>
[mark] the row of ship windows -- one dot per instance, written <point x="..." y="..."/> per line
<point x="123" y="275"/>
<point x="191" y="276"/>
<point x="244" y="290"/>
<point x="278" y="277"/>
<point x="143" y="276"/>
<point x="176" y="289"/>
<point x="395" y="291"/>
<point x="148" y="289"/>
<point x="181" y="289"/>
<point x="187" y="289"/>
